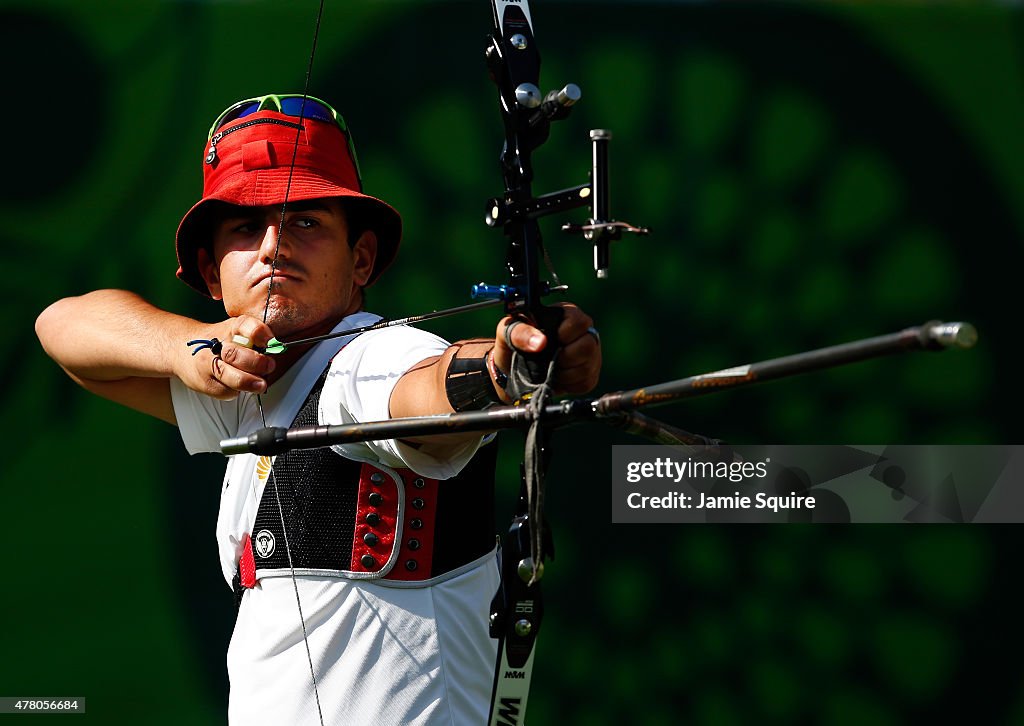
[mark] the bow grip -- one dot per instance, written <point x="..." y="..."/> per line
<point x="535" y="365"/>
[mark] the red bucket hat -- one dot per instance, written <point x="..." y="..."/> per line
<point x="248" y="163"/>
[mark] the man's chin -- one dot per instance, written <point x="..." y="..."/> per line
<point x="283" y="315"/>
<point x="290" y="320"/>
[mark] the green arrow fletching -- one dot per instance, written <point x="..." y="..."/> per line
<point x="275" y="346"/>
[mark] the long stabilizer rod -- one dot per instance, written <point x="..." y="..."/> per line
<point x="930" y="336"/>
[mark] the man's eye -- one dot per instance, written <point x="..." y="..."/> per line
<point x="305" y="222"/>
<point x="244" y="228"/>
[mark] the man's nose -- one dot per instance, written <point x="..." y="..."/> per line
<point x="274" y="245"/>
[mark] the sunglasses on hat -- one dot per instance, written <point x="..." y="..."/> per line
<point x="289" y="104"/>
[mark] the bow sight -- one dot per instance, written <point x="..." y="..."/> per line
<point x="514" y="65"/>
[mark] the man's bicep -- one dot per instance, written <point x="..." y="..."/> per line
<point x="415" y="393"/>
<point x="150" y="396"/>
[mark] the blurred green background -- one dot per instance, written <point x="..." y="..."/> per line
<point x="813" y="173"/>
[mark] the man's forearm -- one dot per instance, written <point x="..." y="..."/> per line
<point x="111" y="335"/>
<point x="422" y="391"/>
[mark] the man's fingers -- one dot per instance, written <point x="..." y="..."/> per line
<point x="579" y="360"/>
<point x="236" y="365"/>
<point x="575" y="324"/>
<point x="527" y="338"/>
<point x="579" y="366"/>
<point x="239" y="366"/>
<point x="578" y="363"/>
<point x="254" y="331"/>
<point x="235" y="379"/>
<point x="524" y="337"/>
<point x="247" y="360"/>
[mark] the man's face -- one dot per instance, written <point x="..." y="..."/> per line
<point x="318" y="277"/>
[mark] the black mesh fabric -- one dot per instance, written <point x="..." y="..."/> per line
<point x="318" y="492"/>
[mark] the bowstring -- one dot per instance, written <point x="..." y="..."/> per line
<point x="266" y="311"/>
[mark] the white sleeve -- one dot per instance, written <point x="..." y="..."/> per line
<point x="203" y="421"/>
<point x="358" y="389"/>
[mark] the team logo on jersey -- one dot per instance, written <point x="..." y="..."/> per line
<point x="263" y="467"/>
<point x="265" y="543"/>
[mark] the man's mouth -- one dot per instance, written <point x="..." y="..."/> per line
<point x="278" y="276"/>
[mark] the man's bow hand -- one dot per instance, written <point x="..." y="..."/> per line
<point x="578" y="362"/>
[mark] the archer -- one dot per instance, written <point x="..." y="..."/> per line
<point x="385" y="547"/>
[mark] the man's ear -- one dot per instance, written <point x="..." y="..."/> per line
<point x="210" y="272"/>
<point x="364" y="254"/>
